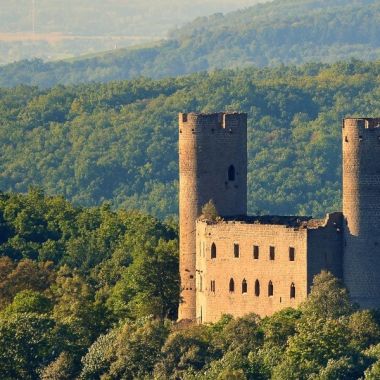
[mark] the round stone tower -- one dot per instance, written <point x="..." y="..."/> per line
<point x="212" y="166"/>
<point x="361" y="210"/>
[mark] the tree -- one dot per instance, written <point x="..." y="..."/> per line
<point x="25" y="275"/>
<point x="150" y="285"/>
<point x="61" y="368"/>
<point x="28" y="342"/>
<point x="327" y="299"/>
<point x="316" y="342"/>
<point x="184" y="351"/>
<point x="209" y="211"/>
<point x="29" y="301"/>
<point x="364" y="329"/>
<point x="127" y="352"/>
<point x="76" y="309"/>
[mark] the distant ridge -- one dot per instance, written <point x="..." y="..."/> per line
<point x="270" y="34"/>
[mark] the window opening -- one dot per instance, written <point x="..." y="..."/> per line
<point x="257" y="288"/>
<point x="213" y="251"/>
<point x="270" y="289"/>
<point x="212" y="286"/>
<point x="236" y="250"/>
<point x="256" y="252"/>
<point x="232" y="285"/>
<point x="271" y="253"/>
<point x="244" y="286"/>
<point x="292" y="291"/>
<point x="292" y="254"/>
<point x="231" y="173"/>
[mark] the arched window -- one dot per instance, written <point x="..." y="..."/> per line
<point x="292" y="290"/>
<point x="231" y="173"/>
<point x="270" y="289"/>
<point x="292" y="254"/>
<point x="232" y="285"/>
<point x="244" y="286"/>
<point x="257" y="288"/>
<point x="213" y="251"/>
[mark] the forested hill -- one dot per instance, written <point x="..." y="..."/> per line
<point x="283" y="31"/>
<point x="118" y="141"/>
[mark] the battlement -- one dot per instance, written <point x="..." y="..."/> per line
<point x="365" y="123"/>
<point x="226" y="121"/>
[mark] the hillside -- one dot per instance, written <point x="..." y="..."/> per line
<point x="118" y="141"/>
<point x="55" y="30"/>
<point x="90" y="293"/>
<point x="279" y="32"/>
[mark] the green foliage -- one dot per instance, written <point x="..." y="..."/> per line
<point x="128" y="352"/>
<point x="328" y="298"/>
<point x="28" y="342"/>
<point x="117" y="142"/>
<point x="65" y="301"/>
<point x="209" y="211"/>
<point x="316" y="342"/>
<point x="150" y="285"/>
<point x="278" y="32"/>
<point x="29" y="301"/>
<point x="184" y="352"/>
<point x="24" y="275"/>
<point x="60" y="369"/>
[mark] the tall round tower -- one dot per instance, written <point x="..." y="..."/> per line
<point x="212" y="166"/>
<point x="361" y="209"/>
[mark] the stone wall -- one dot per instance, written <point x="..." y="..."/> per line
<point x="325" y="247"/>
<point x="361" y="209"/>
<point x="281" y="271"/>
<point x="213" y="165"/>
<point x="287" y="254"/>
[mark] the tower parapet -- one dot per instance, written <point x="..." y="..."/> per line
<point x="212" y="166"/>
<point x="361" y="209"/>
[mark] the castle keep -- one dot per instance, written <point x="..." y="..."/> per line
<point x="242" y="264"/>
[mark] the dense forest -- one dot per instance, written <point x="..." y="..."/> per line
<point x="117" y="142"/>
<point x="91" y="293"/>
<point x="282" y="31"/>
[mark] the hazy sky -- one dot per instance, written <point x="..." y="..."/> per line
<point x="90" y="26"/>
<point x="107" y="15"/>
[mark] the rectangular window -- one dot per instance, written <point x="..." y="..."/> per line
<point x="271" y="253"/>
<point x="292" y="254"/>
<point x="212" y="286"/>
<point x="236" y="250"/>
<point x="256" y="252"/>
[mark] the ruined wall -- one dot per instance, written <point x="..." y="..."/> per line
<point x="281" y="271"/>
<point x="361" y="209"/>
<point x="213" y="165"/>
<point x="324" y="245"/>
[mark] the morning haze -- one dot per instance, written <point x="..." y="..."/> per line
<point x="52" y="29"/>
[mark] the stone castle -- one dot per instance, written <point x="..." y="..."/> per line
<point x="241" y="264"/>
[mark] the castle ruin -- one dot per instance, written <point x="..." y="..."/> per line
<point x="241" y="264"/>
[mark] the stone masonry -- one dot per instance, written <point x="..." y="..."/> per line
<point x="240" y="264"/>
